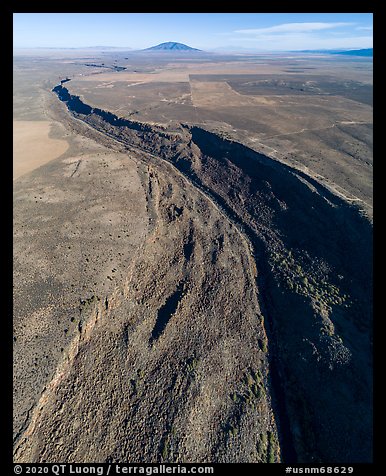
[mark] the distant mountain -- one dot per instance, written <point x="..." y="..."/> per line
<point x="362" y="52"/>
<point x="107" y="48"/>
<point x="171" y="46"/>
<point x="233" y="49"/>
<point x="80" y="48"/>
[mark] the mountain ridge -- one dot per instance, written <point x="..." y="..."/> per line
<point x="171" y="46"/>
<point x="352" y="52"/>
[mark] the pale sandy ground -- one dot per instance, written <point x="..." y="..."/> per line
<point x="218" y="93"/>
<point x="32" y="147"/>
<point x="174" y="74"/>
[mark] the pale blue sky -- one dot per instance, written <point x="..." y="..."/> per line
<point x="258" y="31"/>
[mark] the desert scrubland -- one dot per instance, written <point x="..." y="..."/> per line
<point x="192" y="258"/>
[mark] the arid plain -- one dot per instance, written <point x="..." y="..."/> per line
<point x="192" y="257"/>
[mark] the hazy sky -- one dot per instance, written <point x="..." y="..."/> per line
<point x="260" y="31"/>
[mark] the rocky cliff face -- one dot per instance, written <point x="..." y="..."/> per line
<point x="239" y="328"/>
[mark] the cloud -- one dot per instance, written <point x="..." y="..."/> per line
<point x="367" y="28"/>
<point x="301" y="41"/>
<point x="306" y="35"/>
<point x="294" y="28"/>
